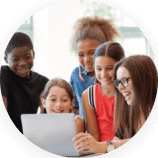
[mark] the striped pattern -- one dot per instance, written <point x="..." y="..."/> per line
<point x="91" y="97"/>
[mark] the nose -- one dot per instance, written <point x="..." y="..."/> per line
<point x="22" y="62"/>
<point x="58" y="104"/>
<point x="120" y="87"/>
<point x="104" y="73"/>
<point x="87" y="58"/>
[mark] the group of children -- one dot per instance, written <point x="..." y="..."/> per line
<point x="111" y="96"/>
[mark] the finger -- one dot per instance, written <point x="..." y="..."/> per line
<point x="82" y="146"/>
<point x="78" y="136"/>
<point x="79" y="141"/>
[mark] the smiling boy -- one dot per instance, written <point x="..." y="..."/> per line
<point x="20" y="86"/>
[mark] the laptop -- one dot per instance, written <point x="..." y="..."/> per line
<point x="52" y="132"/>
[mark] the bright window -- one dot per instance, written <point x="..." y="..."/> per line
<point x="51" y="28"/>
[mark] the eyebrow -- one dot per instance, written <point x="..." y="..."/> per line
<point x="14" y="56"/>
<point x="82" y="52"/>
<point x="18" y="55"/>
<point x="123" y="78"/>
<point x="56" y="95"/>
<point x="106" y="66"/>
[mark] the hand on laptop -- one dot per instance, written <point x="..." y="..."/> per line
<point x="85" y="141"/>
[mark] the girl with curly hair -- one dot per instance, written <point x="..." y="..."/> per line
<point x="89" y="33"/>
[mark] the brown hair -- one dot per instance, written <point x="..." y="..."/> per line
<point x="60" y="83"/>
<point x="111" y="49"/>
<point x="144" y="78"/>
<point x="93" y="28"/>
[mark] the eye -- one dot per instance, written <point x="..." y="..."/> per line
<point x="80" y="55"/>
<point x="52" y="99"/>
<point x="111" y="68"/>
<point x="15" y="59"/>
<point x="92" y="52"/>
<point x="64" y="100"/>
<point x="28" y="57"/>
<point x="98" y="68"/>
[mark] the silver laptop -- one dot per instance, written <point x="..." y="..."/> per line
<point x="52" y="132"/>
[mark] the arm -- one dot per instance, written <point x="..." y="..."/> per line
<point x="118" y="142"/>
<point x="92" y="124"/>
<point x="4" y="94"/>
<point x="75" y="108"/>
<point x="5" y="102"/>
<point x="90" y="143"/>
<point x="79" y="125"/>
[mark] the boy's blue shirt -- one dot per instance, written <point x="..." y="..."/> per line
<point x="80" y="86"/>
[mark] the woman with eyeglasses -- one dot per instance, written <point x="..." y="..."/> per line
<point x="135" y="80"/>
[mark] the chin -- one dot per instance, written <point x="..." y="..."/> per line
<point x="129" y="103"/>
<point x="90" y="70"/>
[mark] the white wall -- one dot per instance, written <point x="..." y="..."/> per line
<point x="52" y="32"/>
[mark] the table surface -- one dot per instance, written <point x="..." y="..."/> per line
<point x="91" y="155"/>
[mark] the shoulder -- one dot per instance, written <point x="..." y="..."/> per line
<point x="39" y="77"/>
<point x="5" y="80"/>
<point x="75" y="71"/>
<point x="91" y="96"/>
<point x="5" y="73"/>
<point x="5" y="69"/>
<point x="74" y="74"/>
<point x="89" y="90"/>
<point x="85" y="92"/>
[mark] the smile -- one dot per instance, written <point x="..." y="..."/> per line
<point x="107" y="79"/>
<point x="23" y="70"/>
<point x="126" y="96"/>
<point x="88" y="65"/>
<point x="58" y="111"/>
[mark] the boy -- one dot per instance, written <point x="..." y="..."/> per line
<point x="20" y="86"/>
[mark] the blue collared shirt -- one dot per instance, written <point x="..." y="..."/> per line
<point x="80" y="86"/>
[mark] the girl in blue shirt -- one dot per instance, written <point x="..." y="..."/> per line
<point x="89" y="33"/>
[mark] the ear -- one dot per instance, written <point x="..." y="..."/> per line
<point x="33" y="54"/>
<point x="6" y="59"/>
<point x="43" y="102"/>
<point x="72" y="103"/>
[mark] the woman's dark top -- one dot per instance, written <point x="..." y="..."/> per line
<point x="120" y="133"/>
<point x="22" y="93"/>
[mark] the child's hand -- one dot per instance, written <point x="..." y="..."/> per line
<point x="86" y="141"/>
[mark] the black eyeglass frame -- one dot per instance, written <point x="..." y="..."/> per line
<point x="119" y="81"/>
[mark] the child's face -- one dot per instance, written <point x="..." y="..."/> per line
<point x="86" y="50"/>
<point x="57" y="101"/>
<point x="104" y="70"/>
<point x="20" y="61"/>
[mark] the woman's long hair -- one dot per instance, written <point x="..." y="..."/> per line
<point x="144" y="78"/>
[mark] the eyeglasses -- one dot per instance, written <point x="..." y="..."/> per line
<point x="123" y="81"/>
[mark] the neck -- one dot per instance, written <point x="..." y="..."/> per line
<point x="108" y="91"/>
<point x="92" y="73"/>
